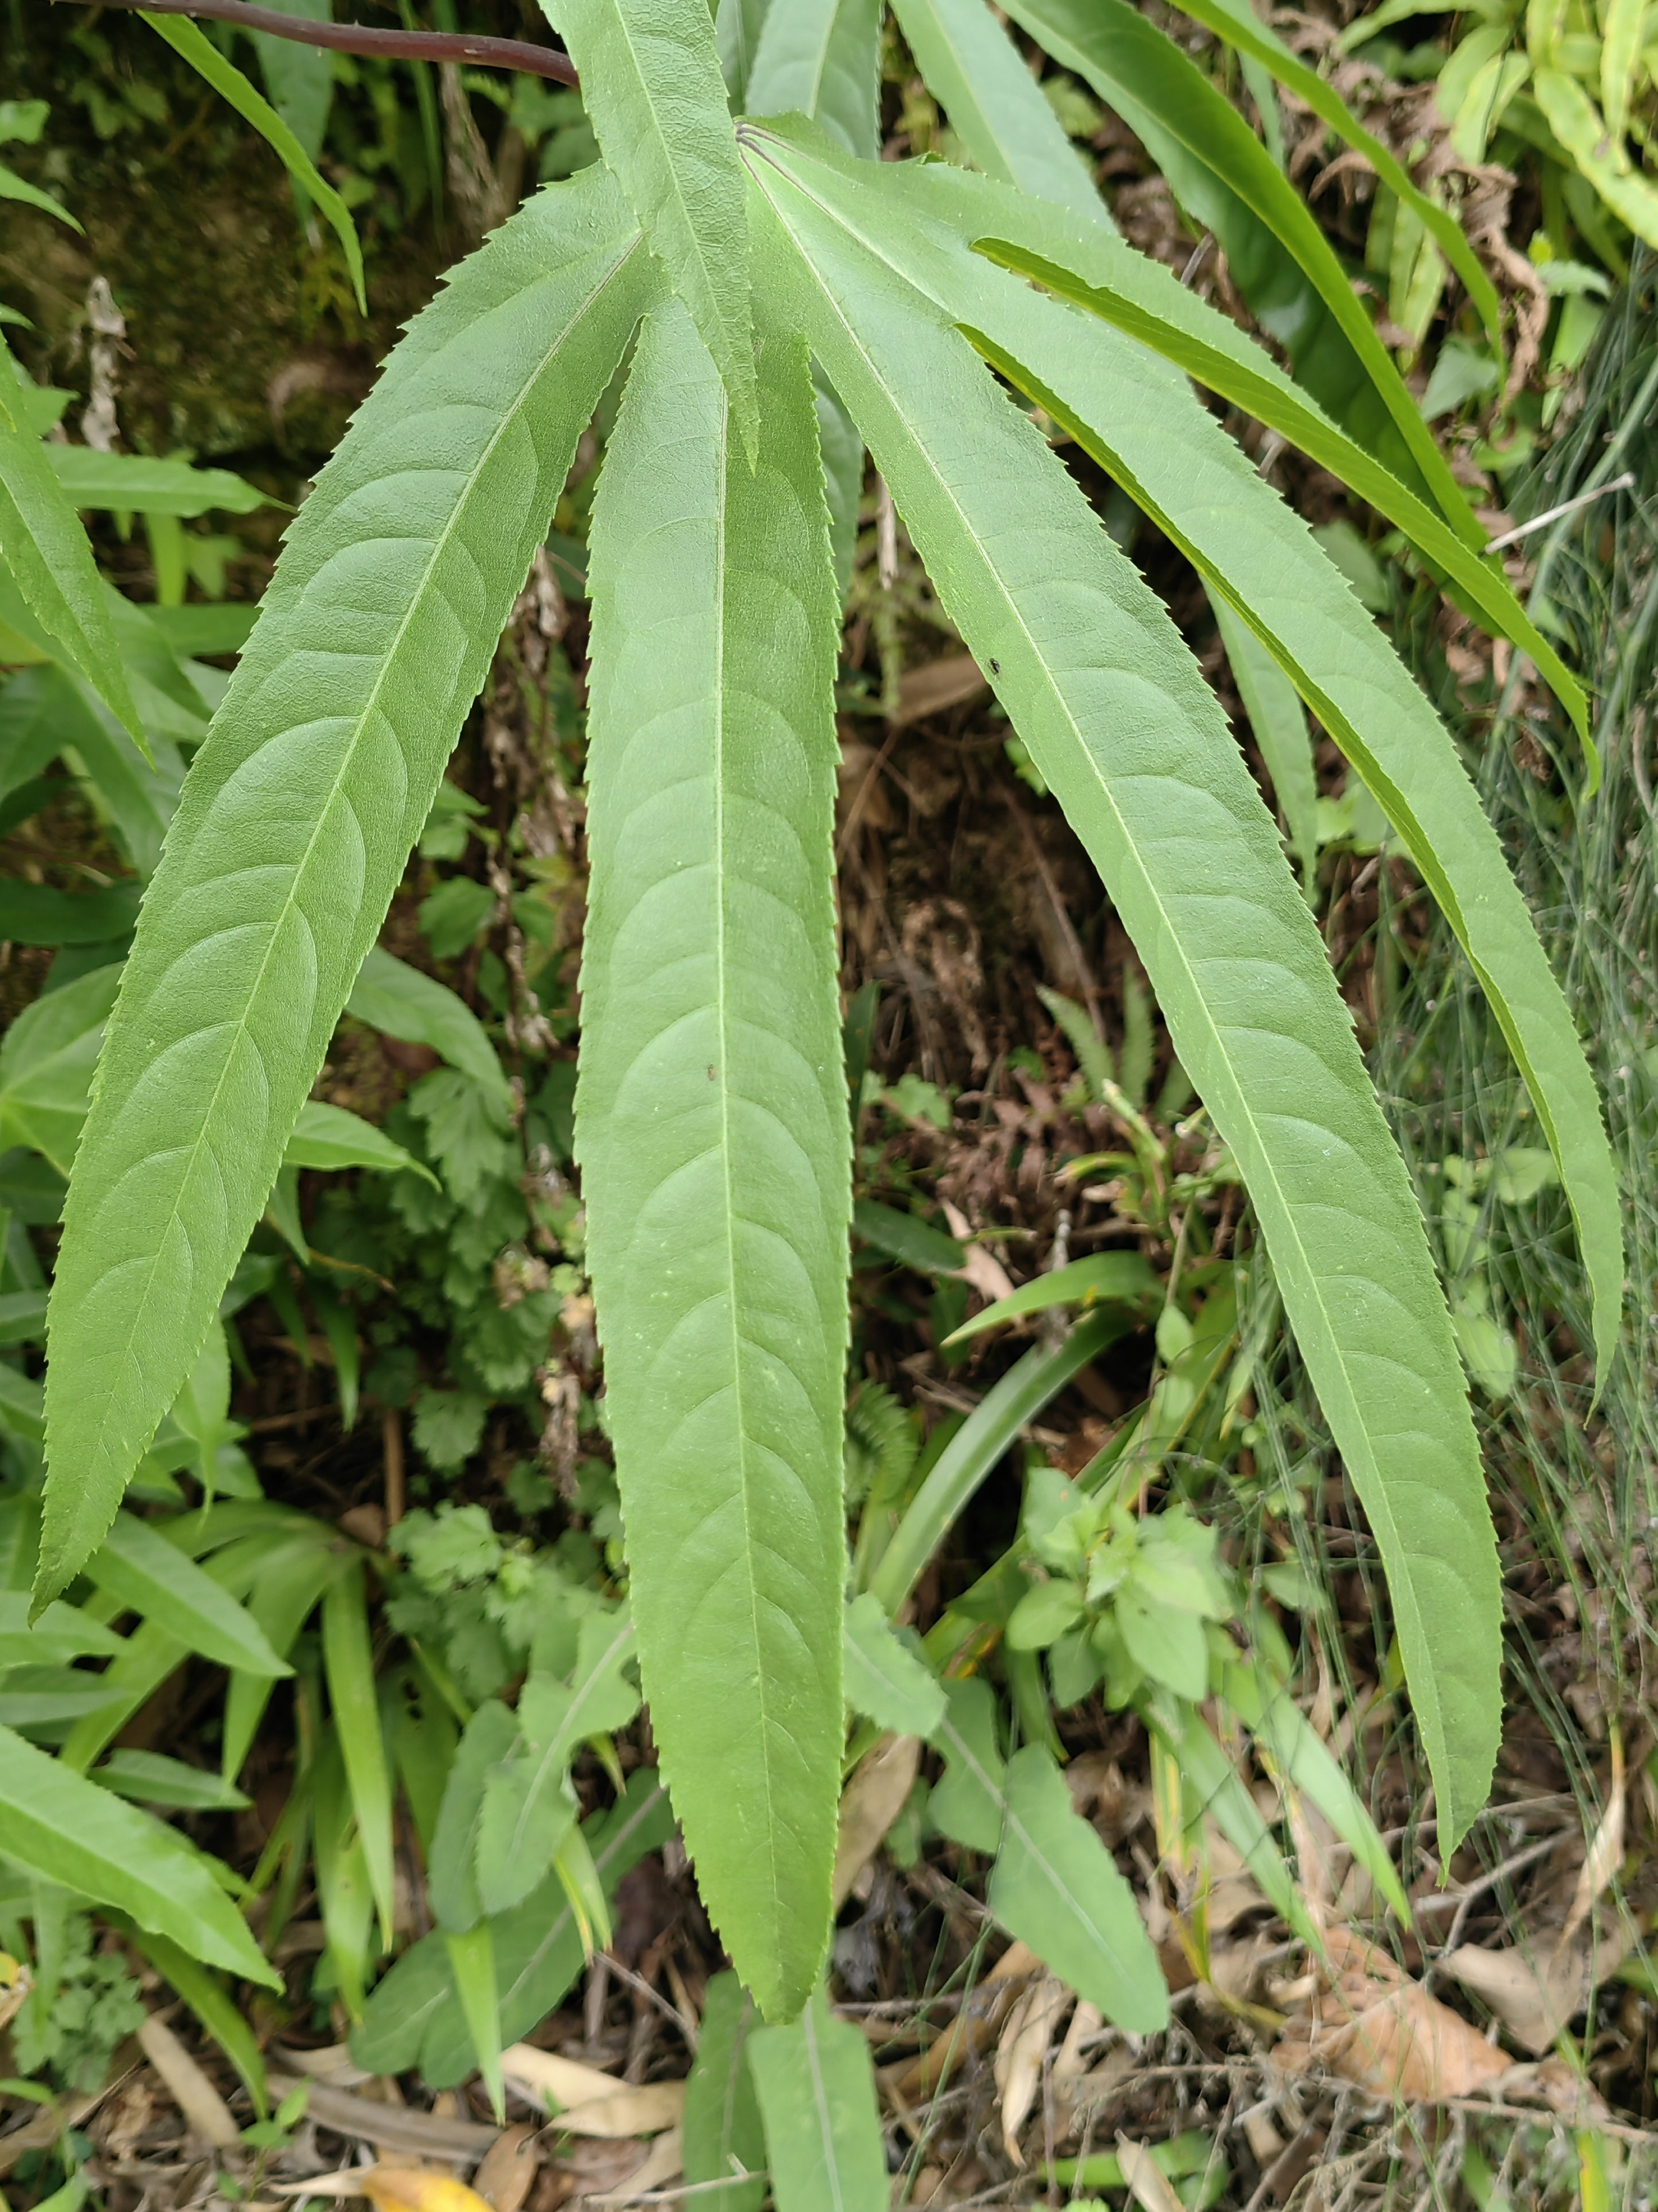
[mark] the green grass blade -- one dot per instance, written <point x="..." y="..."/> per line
<point x="213" y="2006"/>
<point x="186" y="39"/>
<point x="975" y="1449"/>
<point x="1131" y="741"/>
<point x="823" y="2126"/>
<point x="711" y="1122"/>
<point x="472" y="1963"/>
<point x="1084" y="263"/>
<point x="300" y="810"/>
<point x="1278" y="257"/>
<point x="143" y="1571"/>
<point x="59" y="1825"/>
<point x="821" y="58"/>
<point x="354" y="1708"/>
<point x="46" y="551"/>
<point x="1235" y="22"/>
<point x="996" y="108"/>
<point x="723" y="2132"/>
<point x="1278" y="721"/>
<point x="652" y="87"/>
<point x="1119" y="1278"/>
<point x="286" y="1591"/>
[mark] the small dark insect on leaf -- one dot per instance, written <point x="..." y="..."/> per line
<point x="995" y="667"/>
<point x="711" y="1075"/>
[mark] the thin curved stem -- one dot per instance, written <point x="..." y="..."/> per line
<point x="483" y="52"/>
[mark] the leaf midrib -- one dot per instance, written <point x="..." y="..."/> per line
<point x="1380" y="1507"/>
<point x="417" y="597"/>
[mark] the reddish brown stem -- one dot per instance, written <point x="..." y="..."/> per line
<point x="359" y="38"/>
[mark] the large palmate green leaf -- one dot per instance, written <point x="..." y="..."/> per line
<point x="1129" y="738"/>
<point x="300" y="809"/>
<point x="652" y="88"/>
<point x="1237" y="22"/>
<point x="46" y="552"/>
<point x="711" y="1122"/>
<point x="1086" y="264"/>
<point x="996" y="108"/>
<point x="1137" y="416"/>
<point x="1277" y="254"/>
<point x="821" y="58"/>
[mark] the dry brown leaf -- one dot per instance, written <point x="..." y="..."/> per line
<point x="936" y="685"/>
<point x="508" y="2169"/>
<point x="981" y="1269"/>
<point x="1148" y="2184"/>
<point x="1086" y="2022"/>
<point x="414" y="2189"/>
<point x="1381" y="2030"/>
<point x="333" y="2063"/>
<point x="1536" y="1993"/>
<point x="870" y="1803"/>
<point x="1605" y="1852"/>
<point x="412" y="2135"/>
<point x="663" y="2162"/>
<point x="548" y="2076"/>
<point x="1026" y="2034"/>
<point x="206" y="2113"/>
<point x="910" y="2080"/>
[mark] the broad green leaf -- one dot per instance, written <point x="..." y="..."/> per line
<point x="59" y="1825"/>
<point x="150" y="1778"/>
<point x="47" y="1060"/>
<point x="996" y="108"/>
<point x="528" y="1805"/>
<point x="137" y="797"/>
<point x="883" y="1678"/>
<point x="13" y="187"/>
<point x="1139" y="420"/>
<point x="711" y="1121"/>
<point x="817" y="2090"/>
<point x="1623" y="22"/>
<point x="188" y="40"/>
<point x="354" y="1709"/>
<point x="1237" y="22"/>
<point x="1057" y="1888"/>
<point x="736" y="27"/>
<point x="652" y="87"/>
<point x="136" y="1564"/>
<point x="300" y="809"/>
<point x="1125" y="733"/>
<point x="61" y="1633"/>
<point x="33" y="914"/>
<point x="1084" y="263"/>
<point x="1577" y="124"/>
<point x="1278" y="722"/>
<point x="299" y="79"/>
<point x="489" y="1738"/>
<point x="1124" y="1279"/>
<point x="330" y="1137"/>
<point x="45" y="549"/>
<point x="821" y="58"/>
<point x="901" y="1236"/>
<point x="723" y="2132"/>
<point x="413" y="2021"/>
<point x="134" y="481"/>
<point x="151" y="1655"/>
<point x="1277" y="254"/>
<point x="390" y="995"/>
<point x="842" y="449"/>
<point x="966" y="1802"/>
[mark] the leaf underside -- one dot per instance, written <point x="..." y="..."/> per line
<point x="711" y="1121"/>
<point x="302" y="807"/>
<point x="1124" y="731"/>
